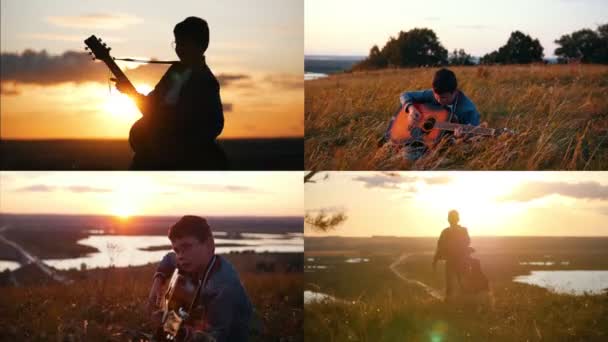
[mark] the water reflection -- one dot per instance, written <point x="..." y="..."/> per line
<point x="568" y="282"/>
<point x="8" y="265"/>
<point x="309" y="76"/>
<point x="122" y="251"/>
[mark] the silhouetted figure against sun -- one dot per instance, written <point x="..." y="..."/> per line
<point x="183" y="115"/>
<point x="453" y="247"/>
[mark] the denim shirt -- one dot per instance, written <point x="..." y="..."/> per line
<point x="465" y="110"/>
<point x="227" y="306"/>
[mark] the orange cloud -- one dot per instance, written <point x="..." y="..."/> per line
<point x="43" y="69"/>
<point x="95" y="20"/>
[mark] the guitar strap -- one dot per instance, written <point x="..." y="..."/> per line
<point x="202" y="282"/>
<point x="453" y="108"/>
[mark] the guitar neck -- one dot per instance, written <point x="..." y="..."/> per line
<point x="448" y="126"/>
<point x="118" y="73"/>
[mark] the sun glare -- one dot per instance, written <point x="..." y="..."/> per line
<point x="121" y="106"/>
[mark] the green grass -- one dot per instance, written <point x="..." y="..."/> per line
<point x="559" y="112"/>
<point x="375" y="305"/>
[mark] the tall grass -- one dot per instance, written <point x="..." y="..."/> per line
<point x="107" y="304"/>
<point x="560" y="114"/>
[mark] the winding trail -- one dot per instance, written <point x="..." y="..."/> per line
<point x="401" y="259"/>
<point x="29" y="258"/>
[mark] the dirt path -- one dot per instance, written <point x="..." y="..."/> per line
<point x="30" y="258"/>
<point x="401" y="259"/>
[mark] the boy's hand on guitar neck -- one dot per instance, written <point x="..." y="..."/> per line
<point x="124" y="87"/>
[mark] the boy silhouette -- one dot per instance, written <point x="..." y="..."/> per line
<point x="183" y="115"/>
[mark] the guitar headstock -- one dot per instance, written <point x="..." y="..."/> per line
<point x="98" y="48"/>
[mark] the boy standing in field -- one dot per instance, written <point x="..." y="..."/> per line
<point x="444" y="93"/>
<point x="222" y="311"/>
<point x="453" y="247"/>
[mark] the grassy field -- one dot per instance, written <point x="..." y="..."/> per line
<point x="560" y="114"/>
<point x="103" y="304"/>
<point x="373" y="304"/>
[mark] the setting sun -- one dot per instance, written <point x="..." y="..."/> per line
<point x="121" y="106"/>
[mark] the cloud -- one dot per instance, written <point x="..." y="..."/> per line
<point x="285" y="81"/>
<point x="5" y="90"/>
<point x="40" y="68"/>
<point x="216" y="188"/>
<point x="84" y="188"/>
<point x="64" y="37"/>
<point x="395" y="180"/>
<point x="225" y="79"/>
<point x="72" y="188"/>
<point x="37" y="188"/>
<point x="95" y="21"/>
<point x="533" y="190"/>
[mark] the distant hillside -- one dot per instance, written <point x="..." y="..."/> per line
<point x="154" y="225"/>
<point x="326" y="64"/>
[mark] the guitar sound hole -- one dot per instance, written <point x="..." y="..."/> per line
<point x="429" y="124"/>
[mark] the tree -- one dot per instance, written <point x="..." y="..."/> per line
<point x="321" y="220"/>
<point x="519" y="49"/>
<point x="588" y="45"/>
<point x="414" y="48"/>
<point x="375" y="60"/>
<point x="460" y="57"/>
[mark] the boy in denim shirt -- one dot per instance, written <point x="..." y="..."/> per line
<point x="222" y="300"/>
<point x="445" y="93"/>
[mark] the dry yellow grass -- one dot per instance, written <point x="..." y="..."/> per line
<point x="559" y="111"/>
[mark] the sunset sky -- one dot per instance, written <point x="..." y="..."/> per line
<point x="352" y="27"/>
<point x="54" y="91"/>
<point x="153" y="193"/>
<point x="490" y="203"/>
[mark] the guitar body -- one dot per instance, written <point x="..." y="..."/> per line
<point x="140" y="136"/>
<point x="175" y="306"/>
<point x="424" y="131"/>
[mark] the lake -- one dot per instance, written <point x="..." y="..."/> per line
<point x="122" y="250"/>
<point x="9" y="265"/>
<point x="568" y="282"/>
<point x="313" y="76"/>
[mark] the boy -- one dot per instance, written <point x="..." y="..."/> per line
<point x="453" y="247"/>
<point x="224" y="307"/>
<point x="183" y="115"/>
<point x="444" y="93"/>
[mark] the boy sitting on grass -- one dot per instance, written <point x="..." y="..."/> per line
<point x="445" y="93"/>
<point x="222" y="310"/>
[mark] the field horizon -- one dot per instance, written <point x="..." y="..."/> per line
<point x="115" y="154"/>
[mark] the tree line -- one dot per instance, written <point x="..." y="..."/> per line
<point x="421" y="47"/>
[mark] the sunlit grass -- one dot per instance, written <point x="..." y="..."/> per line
<point x="560" y="114"/>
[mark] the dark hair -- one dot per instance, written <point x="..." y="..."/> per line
<point x="190" y="226"/>
<point x="444" y="81"/>
<point x="194" y="29"/>
<point x="453" y="215"/>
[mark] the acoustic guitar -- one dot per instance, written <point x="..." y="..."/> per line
<point x="141" y="135"/>
<point x="433" y="122"/>
<point x="176" y="306"/>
